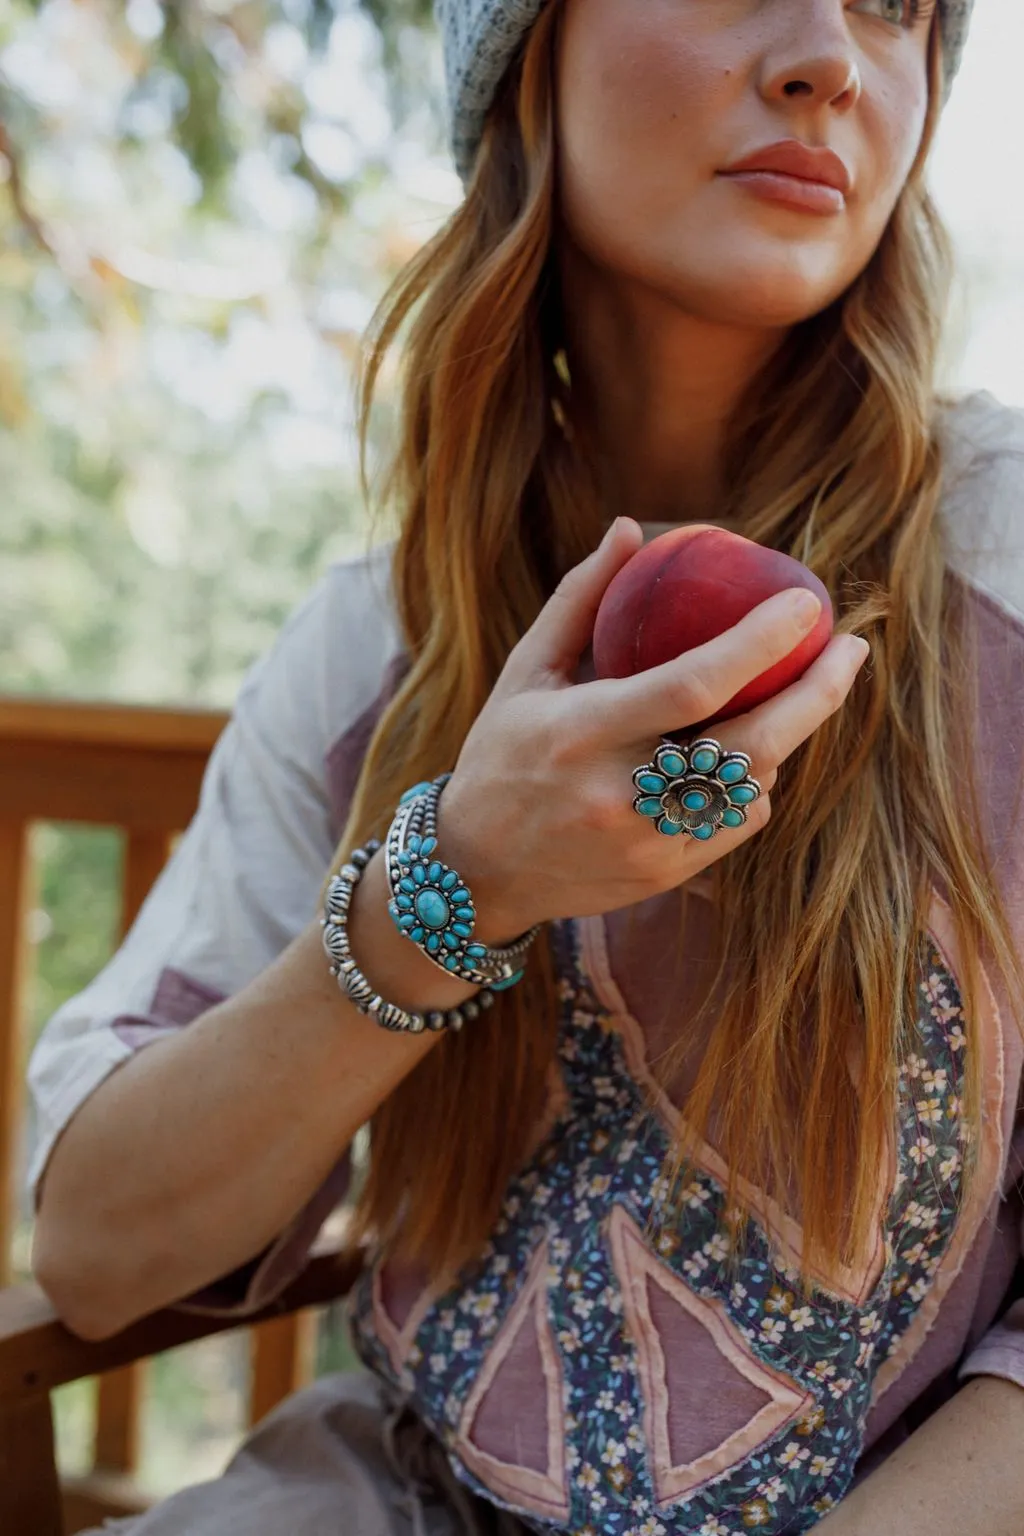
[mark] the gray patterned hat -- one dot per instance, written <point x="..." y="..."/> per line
<point x="481" y="36"/>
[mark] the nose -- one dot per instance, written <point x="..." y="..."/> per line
<point x="811" y="58"/>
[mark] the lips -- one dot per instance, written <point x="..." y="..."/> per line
<point x="802" y="161"/>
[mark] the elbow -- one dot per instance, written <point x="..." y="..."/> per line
<point x="83" y="1296"/>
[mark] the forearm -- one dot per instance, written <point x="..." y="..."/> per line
<point x="193" y="1156"/>
<point x="960" y="1474"/>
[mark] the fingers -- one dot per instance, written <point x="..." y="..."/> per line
<point x="769" y="733"/>
<point x="697" y="684"/>
<point x="565" y="625"/>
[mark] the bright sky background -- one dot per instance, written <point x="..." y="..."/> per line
<point x="978" y="179"/>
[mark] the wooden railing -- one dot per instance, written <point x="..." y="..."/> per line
<point x="139" y="770"/>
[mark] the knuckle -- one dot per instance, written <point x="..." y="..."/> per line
<point x="601" y="812"/>
<point x="692" y="697"/>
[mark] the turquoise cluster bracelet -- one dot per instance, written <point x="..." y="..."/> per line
<point x="433" y="906"/>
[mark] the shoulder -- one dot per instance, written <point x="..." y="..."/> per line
<point x="983" y="496"/>
<point x="332" y="656"/>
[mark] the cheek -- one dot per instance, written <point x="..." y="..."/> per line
<point x="634" y="89"/>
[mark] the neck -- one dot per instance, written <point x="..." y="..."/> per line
<point x="654" y="389"/>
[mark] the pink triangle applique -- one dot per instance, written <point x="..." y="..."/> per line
<point x="511" y="1435"/>
<point x="684" y="1344"/>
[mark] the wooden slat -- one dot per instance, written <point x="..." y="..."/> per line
<point x="73" y="724"/>
<point x="106" y="784"/>
<point x="14" y="899"/>
<point x="281" y="1356"/>
<point x="120" y="1393"/>
<point x="30" y="1503"/>
<point x="38" y="1353"/>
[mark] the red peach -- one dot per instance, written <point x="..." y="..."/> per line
<point x="689" y="585"/>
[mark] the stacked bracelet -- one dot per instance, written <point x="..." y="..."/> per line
<point x="354" y="984"/>
<point x="432" y="905"/>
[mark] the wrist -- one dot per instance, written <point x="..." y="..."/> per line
<point x="498" y="920"/>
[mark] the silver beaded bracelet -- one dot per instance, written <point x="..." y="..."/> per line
<point x="353" y="983"/>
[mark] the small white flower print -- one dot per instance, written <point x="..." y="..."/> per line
<point x="587" y="1477"/>
<point x="483" y="1305"/>
<point x="695" y="1266"/>
<point x="620" y="1363"/>
<point x="917" y="1215"/>
<point x="560" y="1250"/>
<point x="840" y="1388"/>
<point x="573" y="1280"/>
<point x="717" y="1249"/>
<point x="652" y="1527"/>
<point x="949" y="1166"/>
<point x="582" y="1305"/>
<point x="462" y="1340"/>
<point x="793" y="1455"/>
<point x="823" y="1369"/>
<point x="865" y="1354"/>
<point x="600" y="1184"/>
<point x="581" y="1213"/>
<point x="824" y="1504"/>
<point x="437" y="1363"/>
<point x="801" y="1318"/>
<point x="957" y="1038"/>
<point x="625" y="1152"/>
<point x="915" y="1065"/>
<point x="634" y="1437"/>
<point x="597" y="1500"/>
<point x="934" y="1081"/>
<point x="569" y="1340"/>
<point x="696" y="1195"/>
<point x="919" y="1290"/>
<point x="605" y="1400"/>
<point x="772" y="1490"/>
<point x="624" y="1411"/>
<point x="772" y="1329"/>
<point x="737" y="1293"/>
<point x="572" y="1457"/>
<point x="779" y="1300"/>
<point x="614" y="1453"/>
<point x="822" y="1466"/>
<point x="869" y="1325"/>
<point x="922" y="1149"/>
<point x="714" y="1527"/>
<point x="929" y="1111"/>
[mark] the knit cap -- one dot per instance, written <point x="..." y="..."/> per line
<point x="480" y="38"/>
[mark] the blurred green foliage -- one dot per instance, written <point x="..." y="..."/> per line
<point x="200" y="203"/>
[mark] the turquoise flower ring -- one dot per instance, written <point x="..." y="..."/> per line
<point x="694" y="788"/>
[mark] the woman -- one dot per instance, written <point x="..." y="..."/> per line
<point x="709" y="1223"/>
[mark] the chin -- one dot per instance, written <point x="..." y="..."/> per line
<point x="761" y="291"/>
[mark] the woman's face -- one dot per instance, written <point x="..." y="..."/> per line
<point x="657" y="99"/>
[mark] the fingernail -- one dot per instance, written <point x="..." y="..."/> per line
<point x="609" y="533"/>
<point x="805" y="607"/>
<point x="858" y="647"/>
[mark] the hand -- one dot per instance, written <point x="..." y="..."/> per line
<point x="538" y="814"/>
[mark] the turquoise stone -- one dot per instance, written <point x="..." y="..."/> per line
<point x="730" y="772"/>
<point x="732" y="818"/>
<point x="433" y="942"/>
<point x="742" y="794"/>
<point x="704" y="759"/>
<point x="451" y="962"/>
<point x="651" y="783"/>
<point x="405" y="857"/>
<point x="419" y="874"/>
<point x="407" y="884"/>
<point x="695" y="800"/>
<point x="432" y="909"/>
<point x="670" y="828"/>
<point x="451" y="942"/>
<point x="450" y="879"/>
<point x="427" y="846"/>
<point x="404" y="902"/>
<point x="408" y="921"/>
<point x="463" y="929"/>
<point x="672" y="763"/>
<point x="476" y="951"/>
<point x="651" y="807"/>
<point x="510" y="981"/>
<point x="434" y="872"/>
<point x="414" y="843"/>
<point x="417" y="789"/>
<point x="465" y="914"/>
<point x="418" y="934"/>
<point x="461" y="896"/>
<point x="704" y="832"/>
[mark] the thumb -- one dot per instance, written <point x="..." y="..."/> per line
<point x="565" y="625"/>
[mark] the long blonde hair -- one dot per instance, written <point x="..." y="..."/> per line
<point x="835" y="459"/>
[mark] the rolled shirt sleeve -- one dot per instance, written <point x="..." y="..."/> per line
<point x="242" y="883"/>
